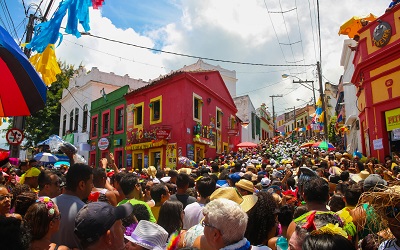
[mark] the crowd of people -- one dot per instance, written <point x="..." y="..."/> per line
<point x="278" y="195"/>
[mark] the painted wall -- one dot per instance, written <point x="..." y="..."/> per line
<point x="377" y="77"/>
<point x="177" y="92"/>
<point x="115" y="137"/>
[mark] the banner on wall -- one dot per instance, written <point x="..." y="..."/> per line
<point x="171" y="156"/>
<point x="129" y="117"/>
<point x="190" y="151"/>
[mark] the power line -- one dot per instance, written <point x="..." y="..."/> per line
<point x="190" y="56"/>
<point x="287" y="32"/>
<point x="298" y="24"/>
<point x="116" y="56"/>
<point x="312" y="30"/>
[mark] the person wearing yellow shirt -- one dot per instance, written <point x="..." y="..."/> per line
<point x="159" y="193"/>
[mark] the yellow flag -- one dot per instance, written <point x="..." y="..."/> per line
<point x="46" y="64"/>
<point x="321" y="117"/>
<point x="319" y="102"/>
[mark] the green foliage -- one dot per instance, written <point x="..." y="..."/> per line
<point x="331" y="129"/>
<point x="41" y="125"/>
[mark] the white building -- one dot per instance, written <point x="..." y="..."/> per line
<point x="350" y="97"/>
<point x="83" y="88"/>
<point x="247" y="113"/>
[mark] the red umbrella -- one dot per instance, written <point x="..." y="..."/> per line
<point x="247" y="145"/>
<point x="22" y="91"/>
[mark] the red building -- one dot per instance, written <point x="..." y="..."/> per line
<point x="377" y="78"/>
<point x="187" y="114"/>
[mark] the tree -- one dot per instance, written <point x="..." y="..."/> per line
<point x="40" y="125"/>
<point x="331" y="129"/>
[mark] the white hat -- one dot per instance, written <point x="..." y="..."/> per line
<point x="166" y="179"/>
<point x="149" y="235"/>
<point x="265" y="181"/>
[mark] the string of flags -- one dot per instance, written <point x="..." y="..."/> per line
<point x="47" y="34"/>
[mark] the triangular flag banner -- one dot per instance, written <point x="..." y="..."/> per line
<point x="319" y="102"/>
<point x="318" y="111"/>
<point x="321" y="117"/>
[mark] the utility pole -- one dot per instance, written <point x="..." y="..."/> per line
<point x="19" y="121"/>
<point x="273" y="110"/>
<point x="321" y="93"/>
<point x="309" y="87"/>
<point x="294" y="121"/>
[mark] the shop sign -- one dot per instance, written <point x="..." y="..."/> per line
<point x="392" y="119"/>
<point x="103" y="144"/>
<point x="382" y="34"/>
<point x="163" y="133"/>
<point x="396" y="134"/>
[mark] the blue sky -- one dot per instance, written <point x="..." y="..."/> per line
<point x="235" y="30"/>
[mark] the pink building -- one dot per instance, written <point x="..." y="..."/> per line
<point x="187" y="114"/>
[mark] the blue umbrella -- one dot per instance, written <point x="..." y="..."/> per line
<point x="22" y="90"/>
<point x="45" y="157"/>
<point x="59" y="163"/>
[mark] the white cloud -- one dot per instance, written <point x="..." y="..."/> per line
<point x="233" y="30"/>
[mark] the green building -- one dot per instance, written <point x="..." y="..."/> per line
<point x="108" y="128"/>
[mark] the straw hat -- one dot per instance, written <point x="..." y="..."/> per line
<point x="185" y="171"/>
<point x="347" y="155"/>
<point x="360" y="176"/>
<point x="382" y="199"/>
<point x="229" y="193"/>
<point x="246" y="185"/>
<point x="248" y="202"/>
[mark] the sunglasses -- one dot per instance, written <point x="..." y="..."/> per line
<point x="392" y="212"/>
<point x="3" y="197"/>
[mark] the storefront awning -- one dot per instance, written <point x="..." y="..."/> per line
<point x="145" y="145"/>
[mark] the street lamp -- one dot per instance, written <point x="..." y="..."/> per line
<point x="303" y="83"/>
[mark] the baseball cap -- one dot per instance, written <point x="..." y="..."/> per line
<point x="374" y="181"/>
<point x="234" y="177"/>
<point x="95" y="218"/>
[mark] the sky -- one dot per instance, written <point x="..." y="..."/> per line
<point x="266" y="32"/>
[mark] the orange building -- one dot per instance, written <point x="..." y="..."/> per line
<point x="377" y="78"/>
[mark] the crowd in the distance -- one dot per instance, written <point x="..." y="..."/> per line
<point x="278" y="195"/>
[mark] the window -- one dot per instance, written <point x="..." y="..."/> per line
<point x="76" y="120"/>
<point x="85" y="116"/>
<point x="64" y="125"/>
<point x="71" y="120"/>
<point x="118" y="157"/>
<point x="94" y="125"/>
<point x="106" y="122"/>
<point x="232" y="123"/>
<point x="92" y="158"/>
<point x="197" y="107"/>
<point x="138" y="115"/>
<point x="155" y="106"/>
<point x="119" y="119"/>
<point x="219" y="118"/>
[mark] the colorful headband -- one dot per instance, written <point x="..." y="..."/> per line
<point x="49" y="204"/>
